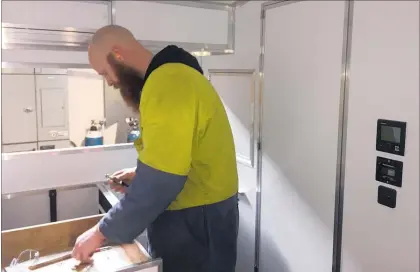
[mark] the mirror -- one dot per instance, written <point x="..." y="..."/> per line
<point x="49" y="108"/>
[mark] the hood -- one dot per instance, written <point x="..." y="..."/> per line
<point x="172" y="54"/>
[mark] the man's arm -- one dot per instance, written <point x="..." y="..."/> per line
<point x="149" y="194"/>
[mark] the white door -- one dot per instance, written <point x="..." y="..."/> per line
<point x="301" y="98"/>
<point x="18" y="109"/>
<point x="52" y="105"/>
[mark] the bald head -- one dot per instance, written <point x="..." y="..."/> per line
<point x="112" y="35"/>
<point x="116" y="55"/>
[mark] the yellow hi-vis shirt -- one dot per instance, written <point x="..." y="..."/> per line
<point x="185" y="131"/>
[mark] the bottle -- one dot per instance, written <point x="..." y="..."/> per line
<point x="134" y="129"/>
<point x="94" y="135"/>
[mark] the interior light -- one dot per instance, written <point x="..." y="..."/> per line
<point x="201" y="53"/>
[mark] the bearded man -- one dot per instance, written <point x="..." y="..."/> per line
<point x="184" y="188"/>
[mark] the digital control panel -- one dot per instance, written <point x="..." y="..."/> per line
<point x="389" y="171"/>
<point x="390" y="136"/>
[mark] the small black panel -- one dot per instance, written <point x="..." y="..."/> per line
<point x="390" y="136"/>
<point x="46" y="147"/>
<point x="389" y="171"/>
<point x="387" y="196"/>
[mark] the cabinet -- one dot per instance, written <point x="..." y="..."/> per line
<point x="57" y="14"/>
<point x="23" y="211"/>
<point x="52" y="101"/>
<point x="19" y="109"/>
<point x="199" y="25"/>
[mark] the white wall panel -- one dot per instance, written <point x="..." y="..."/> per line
<point x="56" y="14"/>
<point x="28" y="210"/>
<point x="302" y="73"/>
<point x="172" y="23"/>
<point x="236" y="88"/>
<point x="25" y="211"/>
<point x="77" y="203"/>
<point x="384" y="83"/>
<point x="116" y="110"/>
<point x="86" y="102"/>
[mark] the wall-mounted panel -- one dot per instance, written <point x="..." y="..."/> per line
<point x="301" y="98"/>
<point x="236" y="88"/>
<point x="383" y="84"/>
<point x="52" y="107"/>
<point x="78" y="15"/>
<point x="172" y="23"/>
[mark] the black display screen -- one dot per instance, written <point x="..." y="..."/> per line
<point x="391" y="134"/>
<point x="388" y="172"/>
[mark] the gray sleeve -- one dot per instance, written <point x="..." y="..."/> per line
<point x="148" y="195"/>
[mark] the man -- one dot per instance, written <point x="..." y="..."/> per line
<point x="184" y="189"/>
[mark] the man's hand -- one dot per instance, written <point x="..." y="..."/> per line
<point x="125" y="175"/>
<point x="87" y="244"/>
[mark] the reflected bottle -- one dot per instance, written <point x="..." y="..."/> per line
<point x="134" y="129"/>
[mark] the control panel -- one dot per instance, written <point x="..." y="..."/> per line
<point x="390" y="136"/>
<point x="389" y="171"/>
<point x="387" y="196"/>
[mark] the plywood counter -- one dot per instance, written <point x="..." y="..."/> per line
<point x="59" y="237"/>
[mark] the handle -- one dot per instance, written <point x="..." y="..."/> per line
<point x="50" y="262"/>
<point x="28" y="109"/>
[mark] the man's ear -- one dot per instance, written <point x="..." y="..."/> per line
<point x="117" y="53"/>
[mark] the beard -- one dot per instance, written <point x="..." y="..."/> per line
<point x="130" y="83"/>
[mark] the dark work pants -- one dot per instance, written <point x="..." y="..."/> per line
<point x="199" y="239"/>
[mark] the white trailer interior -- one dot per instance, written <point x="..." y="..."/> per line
<point x="304" y="84"/>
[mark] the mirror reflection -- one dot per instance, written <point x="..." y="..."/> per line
<point x="46" y="108"/>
